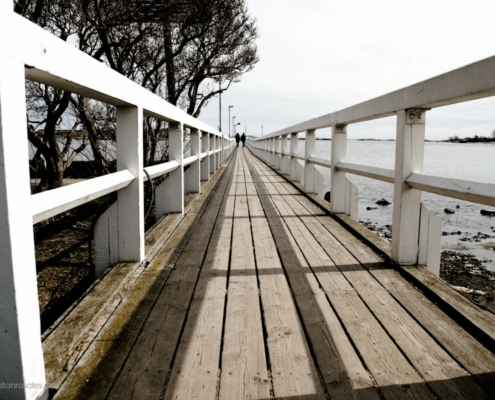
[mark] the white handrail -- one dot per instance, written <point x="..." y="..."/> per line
<point x="47" y="204"/>
<point x="381" y="174"/>
<point x="320" y="161"/>
<point x="476" y="192"/>
<point x="189" y="160"/>
<point x="161" y="169"/>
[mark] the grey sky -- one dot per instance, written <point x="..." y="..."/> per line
<point x="320" y="56"/>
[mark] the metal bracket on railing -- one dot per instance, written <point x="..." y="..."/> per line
<point x="416" y="115"/>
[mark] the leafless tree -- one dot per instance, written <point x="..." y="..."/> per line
<point x="181" y="50"/>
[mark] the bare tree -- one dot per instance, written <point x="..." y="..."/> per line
<point x="179" y="49"/>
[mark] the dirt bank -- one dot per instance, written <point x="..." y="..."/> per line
<point x="461" y="270"/>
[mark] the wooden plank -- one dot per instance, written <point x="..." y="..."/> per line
<point x="97" y="370"/>
<point x="473" y="356"/>
<point x="482" y="321"/>
<point x="469" y="353"/>
<point x="145" y="371"/>
<point x="244" y="373"/>
<point x="390" y="369"/>
<point x="293" y="370"/>
<point x="343" y="376"/>
<point x="437" y="367"/>
<point x="82" y="318"/>
<point x="194" y="373"/>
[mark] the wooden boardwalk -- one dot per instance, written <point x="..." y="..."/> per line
<point x="269" y="297"/>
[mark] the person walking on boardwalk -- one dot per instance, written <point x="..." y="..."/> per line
<point x="237" y="139"/>
<point x="243" y="140"/>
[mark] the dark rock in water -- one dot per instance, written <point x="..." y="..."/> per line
<point x="372" y="208"/>
<point x="327" y="196"/>
<point x="457" y="206"/>
<point x="382" y="202"/>
<point x="449" y="211"/>
<point x="490" y="213"/>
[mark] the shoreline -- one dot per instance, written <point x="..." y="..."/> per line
<point x="462" y="271"/>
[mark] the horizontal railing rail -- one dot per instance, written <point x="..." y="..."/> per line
<point x="28" y="52"/>
<point x="50" y="203"/>
<point x="161" y="169"/>
<point x="381" y="174"/>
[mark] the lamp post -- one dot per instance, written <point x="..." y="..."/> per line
<point x="229" y="119"/>
<point x="261" y="130"/>
<point x="220" y="105"/>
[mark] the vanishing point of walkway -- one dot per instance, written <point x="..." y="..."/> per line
<point x="272" y="298"/>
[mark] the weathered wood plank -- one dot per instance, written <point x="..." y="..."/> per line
<point x="473" y="356"/>
<point x="194" y="373"/>
<point x="94" y="374"/>
<point x="244" y="373"/>
<point x="441" y="372"/>
<point x="293" y="370"/>
<point x="342" y="372"/>
<point x="144" y="373"/>
<point x="389" y="367"/>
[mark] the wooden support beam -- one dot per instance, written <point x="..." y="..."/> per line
<point x="409" y="153"/>
<point x="193" y="178"/>
<point x="293" y="161"/>
<point x="205" y="163"/>
<point x="338" y="178"/>
<point x="20" y="332"/>
<point x="309" y="167"/>
<point x="170" y="194"/>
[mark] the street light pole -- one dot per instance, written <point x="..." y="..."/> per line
<point x="220" y="105"/>
<point x="261" y="130"/>
<point x="229" y="119"/>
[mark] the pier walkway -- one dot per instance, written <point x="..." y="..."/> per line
<point x="265" y="295"/>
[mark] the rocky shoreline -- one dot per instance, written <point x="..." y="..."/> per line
<point x="462" y="271"/>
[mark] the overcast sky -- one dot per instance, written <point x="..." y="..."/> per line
<point x="320" y="56"/>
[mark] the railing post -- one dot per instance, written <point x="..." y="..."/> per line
<point x="193" y="176"/>
<point x="20" y="332"/>
<point x="409" y="154"/>
<point x="276" y="157"/>
<point x="284" y="158"/>
<point x="217" y="153"/>
<point x="293" y="160"/>
<point x="309" y="167"/>
<point x="130" y="215"/>
<point x="338" y="178"/>
<point x="223" y="149"/>
<point x="170" y="194"/>
<point x="213" y="156"/>
<point x="205" y="163"/>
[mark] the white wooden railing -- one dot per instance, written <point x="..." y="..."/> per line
<point x="29" y="52"/>
<point x="416" y="234"/>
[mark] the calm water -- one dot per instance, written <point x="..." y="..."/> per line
<point x="472" y="161"/>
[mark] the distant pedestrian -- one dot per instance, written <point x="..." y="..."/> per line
<point x="243" y="140"/>
<point x="237" y="139"/>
